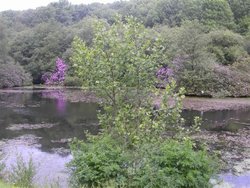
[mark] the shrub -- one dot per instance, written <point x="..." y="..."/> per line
<point x="13" y="75"/>
<point x="72" y="81"/>
<point x="104" y="162"/>
<point x="232" y="80"/>
<point x="58" y="76"/>
<point x="174" y="164"/>
<point x="96" y="163"/>
<point x="227" y="46"/>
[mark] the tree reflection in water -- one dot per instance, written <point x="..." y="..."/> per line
<point x="61" y="103"/>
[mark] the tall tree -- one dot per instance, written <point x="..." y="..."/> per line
<point x="3" y="42"/>
<point x="241" y="11"/>
<point x="217" y="13"/>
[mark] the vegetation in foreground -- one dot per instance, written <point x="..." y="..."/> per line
<point x="21" y="174"/>
<point x="138" y="146"/>
<point x="4" y="185"/>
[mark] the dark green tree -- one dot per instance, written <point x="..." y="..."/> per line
<point x="3" y="42"/>
<point x="241" y="11"/>
<point x="216" y="13"/>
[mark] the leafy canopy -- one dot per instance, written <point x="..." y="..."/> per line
<point x="122" y="59"/>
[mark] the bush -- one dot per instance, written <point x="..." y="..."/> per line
<point x="13" y="75"/>
<point x="227" y="46"/>
<point x="97" y="163"/>
<point x="175" y="164"/>
<point x="72" y="81"/>
<point x="232" y="80"/>
<point x="103" y="162"/>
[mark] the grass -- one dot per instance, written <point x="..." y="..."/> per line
<point x="4" y="185"/>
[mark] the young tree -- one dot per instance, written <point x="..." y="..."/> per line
<point x="122" y="59"/>
<point x="121" y="67"/>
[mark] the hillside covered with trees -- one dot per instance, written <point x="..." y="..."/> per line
<point x="206" y="42"/>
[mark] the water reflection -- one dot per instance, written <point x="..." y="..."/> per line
<point x="46" y="108"/>
<point x="220" y="120"/>
<point x="39" y="124"/>
<point x="47" y="121"/>
<point x="60" y="100"/>
<point x="50" y="168"/>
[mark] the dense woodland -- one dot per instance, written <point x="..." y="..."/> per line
<point x="206" y="42"/>
<point x="123" y="52"/>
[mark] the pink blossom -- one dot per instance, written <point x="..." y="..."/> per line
<point x="58" y="76"/>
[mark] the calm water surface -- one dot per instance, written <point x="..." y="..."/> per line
<point x="39" y="123"/>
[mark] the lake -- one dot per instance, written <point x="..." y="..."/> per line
<point x="39" y="124"/>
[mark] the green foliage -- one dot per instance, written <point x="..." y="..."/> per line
<point x="35" y="38"/>
<point x="227" y="46"/>
<point x="137" y="125"/>
<point x="240" y="9"/>
<point x="104" y="162"/>
<point x="174" y="164"/>
<point x="124" y="54"/>
<point x="234" y="79"/>
<point x="3" y="41"/>
<point x="213" y="13"/>
<point x="247" y="43"/>
<point x="217" y="13"/>
<point x="4" y="185"/>
<point x="97" y="162"/>
<point x="37" y="49"/>
<point x="22" y="173"/>
<point x="12" y="75"/>
<point x="72" y="81"/>
<point x="132" y="151"/>
<point x="145" y="10"/>
<point x="200" y="56"/>
<point x="192" y="64"/>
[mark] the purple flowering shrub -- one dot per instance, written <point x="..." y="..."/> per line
<point x="46" y="76"/>
<point x="164" y="75"/>
<point x="58" y="76"/>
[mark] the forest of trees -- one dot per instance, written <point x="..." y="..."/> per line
<point x="206" y="42"/>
